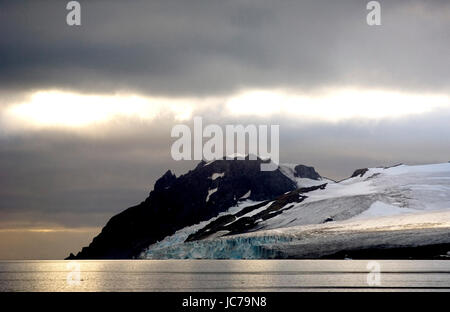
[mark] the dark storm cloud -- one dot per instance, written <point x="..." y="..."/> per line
<point x="209" y="47"/>
<point x="56" y="178"/>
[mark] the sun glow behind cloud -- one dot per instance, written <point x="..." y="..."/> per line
<point x="56" y="108"/>
<point x="66" y="109"/>
<point x="336" y="105"/>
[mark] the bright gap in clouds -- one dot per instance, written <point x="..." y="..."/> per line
<point x="64" y="109"/>
<point x="56" y="108"/>
<point x="336" y="105"/>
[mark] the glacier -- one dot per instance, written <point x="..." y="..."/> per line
<point x="387" y="207"/>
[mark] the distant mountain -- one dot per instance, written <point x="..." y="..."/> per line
<point x="177" y="202"/>
<point x="231" y="209"/>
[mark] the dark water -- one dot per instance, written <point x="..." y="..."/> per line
<point x="224" y="275"/>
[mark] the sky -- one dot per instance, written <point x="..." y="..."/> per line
<point x="86" y="111"/>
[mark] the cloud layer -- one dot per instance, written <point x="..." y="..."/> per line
<point x="192" y="48"/>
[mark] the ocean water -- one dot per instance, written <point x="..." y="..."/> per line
<point x="224" y="275"/>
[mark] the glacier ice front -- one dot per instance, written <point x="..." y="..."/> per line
<point x="236" y="247"/>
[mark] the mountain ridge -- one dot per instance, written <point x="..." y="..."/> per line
<point x="397" y="212"/>
<point x="230" y="209"/>
<point x="176" y="202"/>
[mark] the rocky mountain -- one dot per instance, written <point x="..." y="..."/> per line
<point x="177" y="202"/>
<point x="231" y="209"/>
<point x="398" y="212"/>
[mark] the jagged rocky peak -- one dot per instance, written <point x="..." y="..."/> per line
<point x="165" y="181"/>
<point x="239" y="177"/>
<point x="177" y="202"/>
<point x="302" y="171"/>
<point x="359" y="172"/>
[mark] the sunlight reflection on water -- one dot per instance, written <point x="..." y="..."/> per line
<point x="222" y="275"/>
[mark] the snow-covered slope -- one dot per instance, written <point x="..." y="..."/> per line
<point x="379" y="192"/>
<point x="289" y="170"/>
<point x="397" y="207"/>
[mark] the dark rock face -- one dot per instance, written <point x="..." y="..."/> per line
<point x="302" y="171"/>
<point x="359" y="172"/>
<point x="165" y="181"/>
<point x="179" y="202"/>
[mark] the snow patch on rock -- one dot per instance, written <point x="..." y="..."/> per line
<point x="246" y="195"/>
<point x="217" y="175"/>
<point x="210" y="192"/>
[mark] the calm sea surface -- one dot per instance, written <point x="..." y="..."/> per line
<point x="224" y="275"/>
